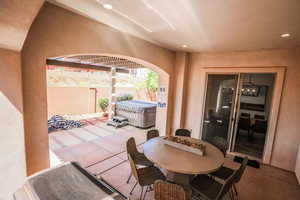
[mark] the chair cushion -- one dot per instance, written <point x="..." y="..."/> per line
<point x="223" y="173"/>
<point x="206" y="186"/>
<point x="148" y="175"/>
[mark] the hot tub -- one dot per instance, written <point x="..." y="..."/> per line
<point x="140" y="114"/>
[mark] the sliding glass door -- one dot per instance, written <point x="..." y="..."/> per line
<point x="253" y="110"/>
<point x="219" y="106"/>
<point x="241" y="117"/>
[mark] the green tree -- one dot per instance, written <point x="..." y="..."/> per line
<point x="103" y="104"/>
<point x="151" y="85"/>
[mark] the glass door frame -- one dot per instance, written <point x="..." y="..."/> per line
<point x="235" y="117"/>
<point x="277" y="92"/>
<point x="233" y="107"/>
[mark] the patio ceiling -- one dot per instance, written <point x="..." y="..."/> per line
<point x="199" y="25"/>
<point x="104" y="63"/>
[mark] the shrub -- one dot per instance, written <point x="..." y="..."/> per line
<point x="125" y="97"/>
<point x="103" y="104"/>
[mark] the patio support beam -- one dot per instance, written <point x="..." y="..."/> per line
<point x="112" y="91"/>
<point x="84" y="66"/>
<point x="180" y="89"/>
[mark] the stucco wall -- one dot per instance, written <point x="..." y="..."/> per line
<point x="12" y="150"/>
<point x="57" y="32"/>
<point x="297" y="169"/>
<point x="287" y="136"/>
<point x="68" y="100"/>
<point x="81" y="100"/>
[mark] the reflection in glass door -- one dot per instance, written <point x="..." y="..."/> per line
<point x="219" y="106"/>
<point x="253" y="109"/>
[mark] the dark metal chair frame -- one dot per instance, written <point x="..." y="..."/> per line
<point x="212" y="186"/>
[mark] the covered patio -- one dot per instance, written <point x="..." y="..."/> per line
<point x="227" y="107"/>
<point x="94" y="143"/>
<point x="100" y="149"/>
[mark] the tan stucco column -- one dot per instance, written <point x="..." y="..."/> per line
<point x="181" y="70"/>
<point x="112" y="93"/>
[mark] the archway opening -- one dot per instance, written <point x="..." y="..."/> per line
<point x="86" y="93"/>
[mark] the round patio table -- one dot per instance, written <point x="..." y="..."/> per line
<point x="180" y="163"/>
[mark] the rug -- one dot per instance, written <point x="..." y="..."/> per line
<point x="251" y="163"/>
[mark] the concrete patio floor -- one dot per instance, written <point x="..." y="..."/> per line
<point x="94" y="143"/>
<point x="101" y="150"/>
<point x="266" y="183"/>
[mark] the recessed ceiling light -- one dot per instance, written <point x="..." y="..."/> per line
<point x="285" y="35"/>
<point x="184" y="46"/>
<point x="107" y="6"/>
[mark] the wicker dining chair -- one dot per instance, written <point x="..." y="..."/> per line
<point x="152" y="134"/>
<point x="164" y="190"/>
<point x="138" y="158"/>
<point x="145" y="176"/>
<point x="183" y="132"/>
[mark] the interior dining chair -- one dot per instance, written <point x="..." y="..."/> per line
<point x="145" y="176"/>
<point x="152" y="134"/>
<point x="244" y="124"/>
<point x="259" y="117"/>
<point x="183" y="132"/>
<point x="138" y="158"/>
<point x="245" y="115"/>
<point x="164" y="190"/>
<point x="260" y="126"/>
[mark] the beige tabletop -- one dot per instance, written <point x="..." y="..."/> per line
<point x="179" y="161"/>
